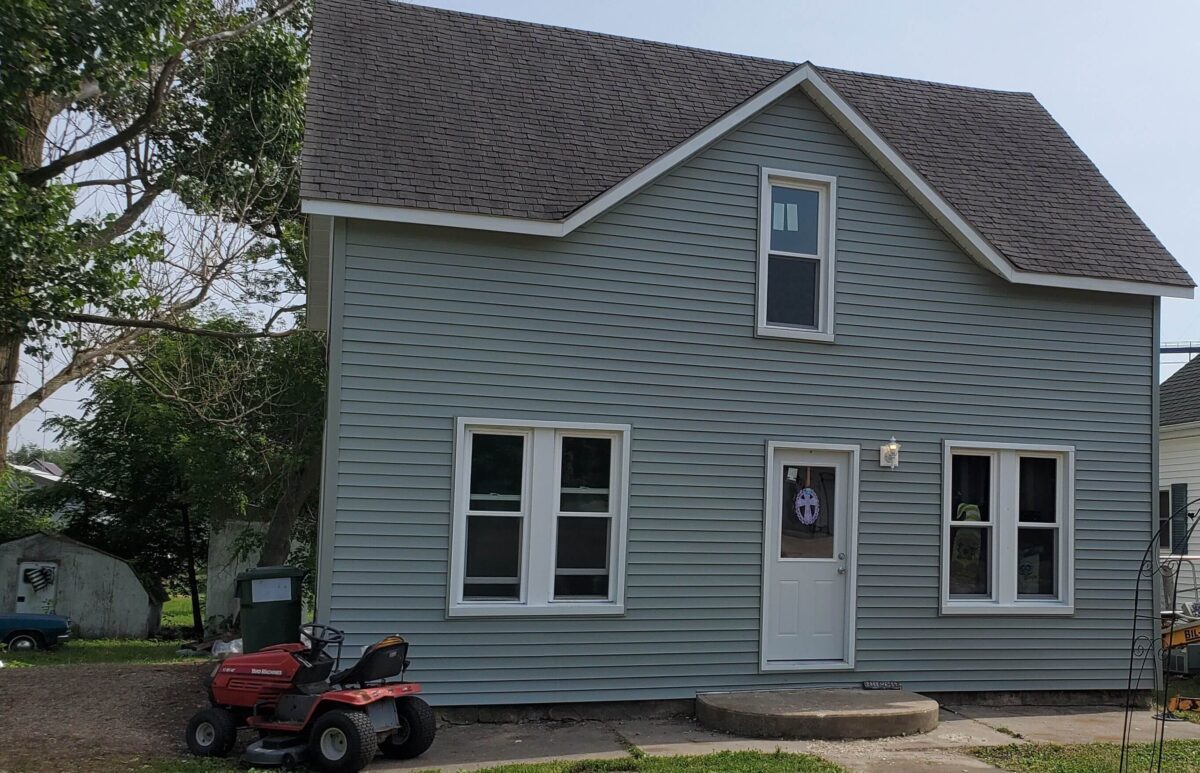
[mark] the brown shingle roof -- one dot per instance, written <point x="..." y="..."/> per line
<point x="418" y="107"/>
<point x="1179" y="396"/>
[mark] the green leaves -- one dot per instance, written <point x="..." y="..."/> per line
<point x="224" y="138"/>
<point x="217" y="425"/>
<point x="46" y="266"/>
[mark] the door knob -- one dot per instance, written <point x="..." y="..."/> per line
<point x="841" y="570"/>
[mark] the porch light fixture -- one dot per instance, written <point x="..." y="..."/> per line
<point x="889" y="454"/>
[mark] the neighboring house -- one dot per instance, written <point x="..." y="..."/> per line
<point x="103" y="596"/>
<point x="1179" y="455"/>
<point x="36" y="475"/>
<point x="620" y="333"/>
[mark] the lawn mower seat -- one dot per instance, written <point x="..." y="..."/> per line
<point x="385" y="658"/>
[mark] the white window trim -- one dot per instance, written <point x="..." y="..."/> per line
<point x="826" y="253"/>
<point x="537" y="562"/>
<point x="1004" y="551"/>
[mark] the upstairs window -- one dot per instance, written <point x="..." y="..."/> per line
<point x="539" y="518"/>
<point x="796" y="262"/>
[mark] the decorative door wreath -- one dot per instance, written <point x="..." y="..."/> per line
<point x="807" y="506"/>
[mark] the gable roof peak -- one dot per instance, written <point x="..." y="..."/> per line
<point x="515" y="126"/>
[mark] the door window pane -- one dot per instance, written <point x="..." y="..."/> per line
<point x="792" y="291"/>
<point x="493" y="557"/>
<point x="496" y="472"/>
<point x="806" y="516"/>
<point x="586" y="474"/>
<point x="1037" y="554"/>
<point x="970" y="557"/>
<point x="581" y="557"/>
<point x="970" y="488"/>
<point x="1038" y="492"/>
<point x="795" y="217"/>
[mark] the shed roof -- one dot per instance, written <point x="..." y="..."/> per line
<point x="152" y="587"/>
<point x="436" y="110"/>
<point x="1179" y="396"/>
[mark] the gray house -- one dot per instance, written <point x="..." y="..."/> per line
<point x="656" y="371"/>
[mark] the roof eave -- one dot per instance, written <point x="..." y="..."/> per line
<point x="848" y="119"/>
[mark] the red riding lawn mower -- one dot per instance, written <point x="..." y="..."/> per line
<point x="304" y="711"/>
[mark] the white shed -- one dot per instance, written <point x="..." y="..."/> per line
<point x="103" y="596"/>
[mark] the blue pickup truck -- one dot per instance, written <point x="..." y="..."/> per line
<point x="27" y="631"/>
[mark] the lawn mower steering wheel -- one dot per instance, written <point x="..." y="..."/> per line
<point x="320" y="636"/>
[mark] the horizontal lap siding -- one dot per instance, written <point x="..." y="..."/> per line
<point x="645" y="317"/>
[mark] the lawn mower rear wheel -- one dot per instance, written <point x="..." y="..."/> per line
<point x="417" y="728"/>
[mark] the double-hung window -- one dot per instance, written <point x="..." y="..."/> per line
<point x="1007" y="542"/>
<point x="539" y="518"/>
<point x="796" y="255"/>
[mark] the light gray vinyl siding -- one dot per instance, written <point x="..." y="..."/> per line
<point x="646" y="316"/>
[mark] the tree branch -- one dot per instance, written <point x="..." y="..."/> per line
<point x="162" y="324"/>
<point x="158" y="97"/>
<point x="128" y="219"/>
<point x="82" y="363"/>
<point x="227" y="35"/>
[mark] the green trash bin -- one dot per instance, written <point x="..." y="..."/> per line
<point x="270" y="601"/>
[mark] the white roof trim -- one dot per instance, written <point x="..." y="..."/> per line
<point x="842" y="113"/>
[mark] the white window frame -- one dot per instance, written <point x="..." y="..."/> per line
<point x="540" y="506"/>
<point x="1005" y="470"/>
<point x="826" y="186"/>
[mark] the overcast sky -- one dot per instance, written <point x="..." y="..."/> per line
<point x="1120" y="76"/>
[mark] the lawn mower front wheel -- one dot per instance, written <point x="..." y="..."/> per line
<point x="415" y="734"/>
<point x="342" y="741"/>
<point x="211" y="732"/>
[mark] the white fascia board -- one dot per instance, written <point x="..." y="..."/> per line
<point x="436" y="217"/>
<point x="847" y="119"/>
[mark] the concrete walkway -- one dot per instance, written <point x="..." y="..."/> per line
<point x="469" y="747"/>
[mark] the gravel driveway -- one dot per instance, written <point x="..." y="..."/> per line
<point x="95" y="717"/>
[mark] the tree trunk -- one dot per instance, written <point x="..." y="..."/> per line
<point x="193" y="586"/>
<point x="10" y="369"/>
<point x="299" y="486"/>
<point x="24" y="146"/>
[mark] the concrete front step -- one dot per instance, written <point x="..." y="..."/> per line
<point x="818" y="713"/>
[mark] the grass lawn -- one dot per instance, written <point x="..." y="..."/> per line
<point x="1089" y="757"/>
<point x="177" y="612"/>
<point x="722" y="762"/>
<point x="97" y="651"/>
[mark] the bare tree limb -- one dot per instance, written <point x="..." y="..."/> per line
<point x="128" y="219"/>
<point x="158" y="97"/>
<point x="162" y="324"/>
<point x="82" y="363"/>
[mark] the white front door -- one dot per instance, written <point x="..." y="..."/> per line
<point x="36" y="586"/>
<point x="809" y="519"/>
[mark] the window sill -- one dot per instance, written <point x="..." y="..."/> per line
<point x="770" y="331"/>
<point x="1018" y="608"/>
<point x="600" y="609"/>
